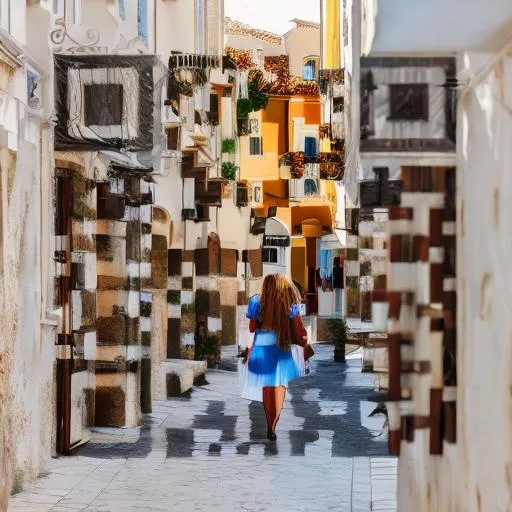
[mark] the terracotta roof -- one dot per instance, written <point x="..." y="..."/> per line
<point x="237" y="28"/>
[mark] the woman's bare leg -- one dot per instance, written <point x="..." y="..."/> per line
<point x="269" y="406"/>
<point x="279" y="396"/>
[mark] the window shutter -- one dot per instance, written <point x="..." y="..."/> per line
<point x="142" y="18"/>
<point x="103" y="104"/>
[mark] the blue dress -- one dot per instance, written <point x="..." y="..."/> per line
<point x="269" y="365"/>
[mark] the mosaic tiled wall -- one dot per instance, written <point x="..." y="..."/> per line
<point x="421" y="296"/>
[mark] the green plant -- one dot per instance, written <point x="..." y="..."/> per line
<point x="174" y="297"/>
<point x="257" y="98"/>
<point x="243" y="107"/>
<point x="207" y="346"/>
<point x="228" y="145"/>
<point x="338" y="329"/>
<point x="188" y="309"/>
<point x="229" y="171"/>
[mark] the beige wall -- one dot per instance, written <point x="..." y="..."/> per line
<point x="251" y="43"/>
<point x="301" y="42"/>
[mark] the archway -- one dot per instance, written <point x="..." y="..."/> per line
<point x="276" y="248"/>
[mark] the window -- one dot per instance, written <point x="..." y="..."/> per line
<point x="77" y="12"/>
<point x="58" y="7"/>
<point x="103" y="104"/>
<point x="368" y="88"/>
<point x="309" y="71"/>
<point x="310" y="147"/>
<point x="5" y="15"/>
<point x="142" y="19"/>
<point x="201" y="24"/>
<point x="122" y="12"/>
<point x="269" y="255"/>
<point x="215" y="29"/>
<point x="408" y="102"/>
<point x="255" y="146"/>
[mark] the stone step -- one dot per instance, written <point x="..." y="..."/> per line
<point x="179" y="375"/>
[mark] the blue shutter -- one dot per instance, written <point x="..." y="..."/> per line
<point x="122" y="13"/>
<point x="200" y="26"/>
<point x="309" y="70"/>
<point x="142" y="13"/>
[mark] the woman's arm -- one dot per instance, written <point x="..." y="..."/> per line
<point x="253" y="324"/>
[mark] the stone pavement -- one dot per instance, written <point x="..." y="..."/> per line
<point x="208" y="452"/>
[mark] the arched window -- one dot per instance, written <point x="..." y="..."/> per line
<point x="310" y="68"/>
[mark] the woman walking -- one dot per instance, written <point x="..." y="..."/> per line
<point x="275" y="319"/>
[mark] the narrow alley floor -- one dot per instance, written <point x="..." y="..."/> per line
<point x="208" y="452"/>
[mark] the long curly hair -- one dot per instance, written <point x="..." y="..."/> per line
<point x="278" y="295"/>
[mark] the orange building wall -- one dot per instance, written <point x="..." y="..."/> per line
<point x="277" y="113"/>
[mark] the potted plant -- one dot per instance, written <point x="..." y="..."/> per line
<point x="208" y="349"/>
<point x="229" y="171"/>
<point x="338" y="330"/>
<point x="228" y="145"/>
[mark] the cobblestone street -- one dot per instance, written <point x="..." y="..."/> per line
<point x="208" y="452"/>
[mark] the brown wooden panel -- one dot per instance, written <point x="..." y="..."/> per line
<point x="174" y="261"/>
<point x="421" y="422"/>
<point x="436" y="410"/>
<point x="110" y="407"/>
<point x="420" y="248"/>
<point x="394" y="439"/>
<point x="256" y="262"/>
<point x="401" y="248"/>
<point x="450" y="422"/>
<point x="398" y="213"/>
<point x="436" y="282"/>
<point x="173" y="338"/>
<point x="436" y="227"/>
<point x="229" y="262"/>
<point x="395" y="389"/>
<point x="408" y="428"/>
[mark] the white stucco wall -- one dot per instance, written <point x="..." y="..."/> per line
<point x="26" y="347"/>
<point x="475" y="475"/>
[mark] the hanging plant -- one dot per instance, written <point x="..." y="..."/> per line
<point x="257" y="98"/>
<point x="229" y="171"/>
<point x="243" y="107"/>
<point x="228" y="145"/>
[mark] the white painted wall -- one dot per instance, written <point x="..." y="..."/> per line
<point x="476" y="473"/>
<point x="26" y="344"/>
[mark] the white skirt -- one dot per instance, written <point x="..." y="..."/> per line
<point x="254" y="393"/>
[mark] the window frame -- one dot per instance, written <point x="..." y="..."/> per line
<point x="260" y="147"/>
<point x="121" y="8"/>
<point x="396" y="102"/>
<point x="143" y="9"/>
<point x="201" y="26"/>
<point x="77" y="12"/>
<point x="310" y="59"/>
<point x="267" y="251"/>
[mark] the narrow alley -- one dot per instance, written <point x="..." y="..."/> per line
<point x="207" y="452"/>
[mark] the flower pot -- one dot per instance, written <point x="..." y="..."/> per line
<point x="339" y="353"/>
